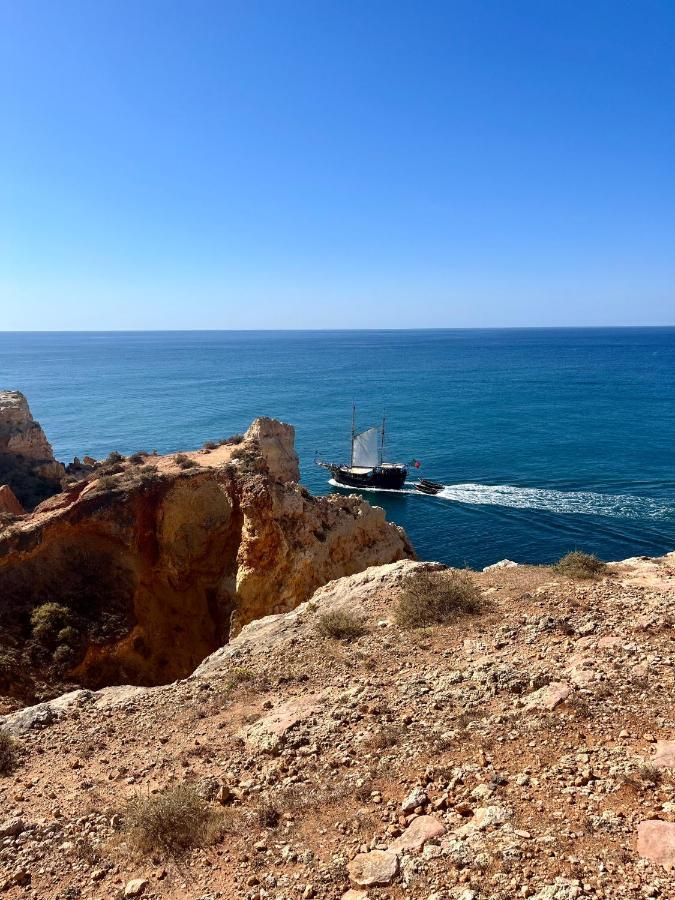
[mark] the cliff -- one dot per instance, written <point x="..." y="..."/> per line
<point x="27" y="463"/>
<point x="143" y="567"/>
<point x="520" y="747"/>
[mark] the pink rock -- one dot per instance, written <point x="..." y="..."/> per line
<point x="665" y="755"/>
<point x="549" y="696"/>
<point x="376" y="867"/>
<point x="656" y="841"/>
<point x="609" y="642"/>
<point x="420" y="830"/>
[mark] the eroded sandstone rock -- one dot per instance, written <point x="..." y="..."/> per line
<point x="9" y="503"/>
<point x="27" y="461"/>
<point x="158" y="566"/>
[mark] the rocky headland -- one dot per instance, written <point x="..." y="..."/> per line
<point x="266" y="696"/>
<point x="142" y="566"/>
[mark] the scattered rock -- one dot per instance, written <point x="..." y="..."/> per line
<point x="656" y="841"/>
<point x="136" y="887"/>
<point x="416" y="835"/>
<point x="379" y="867"/>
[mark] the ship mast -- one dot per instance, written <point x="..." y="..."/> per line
<point x="351" y="458"/>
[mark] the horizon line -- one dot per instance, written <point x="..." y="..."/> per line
<point x="323" y="330"/>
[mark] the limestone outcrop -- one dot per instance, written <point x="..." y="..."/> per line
<point x="27" y="463"/>
<point x="138" y="571"/>
<point x="9" y="503"/>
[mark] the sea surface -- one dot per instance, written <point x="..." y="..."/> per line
<point x="547" y="439"/>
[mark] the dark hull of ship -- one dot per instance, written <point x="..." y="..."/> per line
<point x="390" y="477"/>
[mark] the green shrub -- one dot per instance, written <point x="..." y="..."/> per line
<point x="114" y="457"/>
<point x="63" y="658"/>
<point x="210" y="445"/>
<point x="184" y="461"/>
<point x="69" y="635"/>
<point x="48" y="620"/>
<point x="106" y="483"/>
<point x="9" y="753"/>
<point x="580" y="565"/>
<point x="137" y="458"/>
<point x="235" y="439"/>
<point x="341" y="625"/>
<point x="434" y="598"/>
<point x="171" y="822"/>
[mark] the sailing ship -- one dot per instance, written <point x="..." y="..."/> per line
<point x="367" y="468"/>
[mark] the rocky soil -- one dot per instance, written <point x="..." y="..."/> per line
<point x="526" y="751"/>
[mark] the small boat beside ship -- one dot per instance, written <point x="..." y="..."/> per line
<point x="428" y="487"/>
<point x="367" y="468"/>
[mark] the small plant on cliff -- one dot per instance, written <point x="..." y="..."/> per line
<point x="138" y="458"/>
<point x="341" y="624"/>
<point x="9" y="753"/>
<point x="171" y="822"/>
<point x="580" y="565"/>
<point x="48" y="621"/>
<point x="235" y="439"/>
<point x="434" y="598"/>
<point x="210" y="445"/>
<point x="106" y="483"/>
<point x="184" y="461"/>
<point x="114" y="457"/>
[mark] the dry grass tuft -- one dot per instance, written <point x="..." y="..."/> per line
<point x="580" y="565"/>
<point x="386" y="737"/>
<point x="435" y="598"/>
<point x="9" y="753"/>
<point x="341" y="625"/>
<point x="171" y="822"/>
<point x="267" y="815"/>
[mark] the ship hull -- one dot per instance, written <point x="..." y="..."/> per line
<point x="384" y="477"/>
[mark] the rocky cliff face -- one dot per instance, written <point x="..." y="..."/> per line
<point x="137" y="572"/>
<point x="27" y="463"/>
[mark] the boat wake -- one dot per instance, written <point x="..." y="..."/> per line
<point x="624" y="506"/>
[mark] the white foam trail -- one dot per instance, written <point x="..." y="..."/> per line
<point x="624" y="506"/>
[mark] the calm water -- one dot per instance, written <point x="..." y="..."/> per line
<point x="547" y="440"/>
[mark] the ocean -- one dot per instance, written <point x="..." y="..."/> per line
<point x="547" y="440"/>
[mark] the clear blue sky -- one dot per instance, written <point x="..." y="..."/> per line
<point x="360" y="163"/>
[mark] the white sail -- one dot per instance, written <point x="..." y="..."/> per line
<point x="365" y="449"/>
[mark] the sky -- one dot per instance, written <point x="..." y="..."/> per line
<point x="343" y="164"/>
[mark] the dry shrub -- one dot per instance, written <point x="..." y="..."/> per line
<point x="434" y="598"/>
<point x="267" y="815"/>
<point x="341" y="625"/>
<point x="184" y="462"/>
<point x="171" y="822"/>
<point x="580" y="565"/>
<point x="386" y="737"/>
<point x="9" y="753"/>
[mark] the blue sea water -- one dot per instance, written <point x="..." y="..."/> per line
<point x="547" y="440"/>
